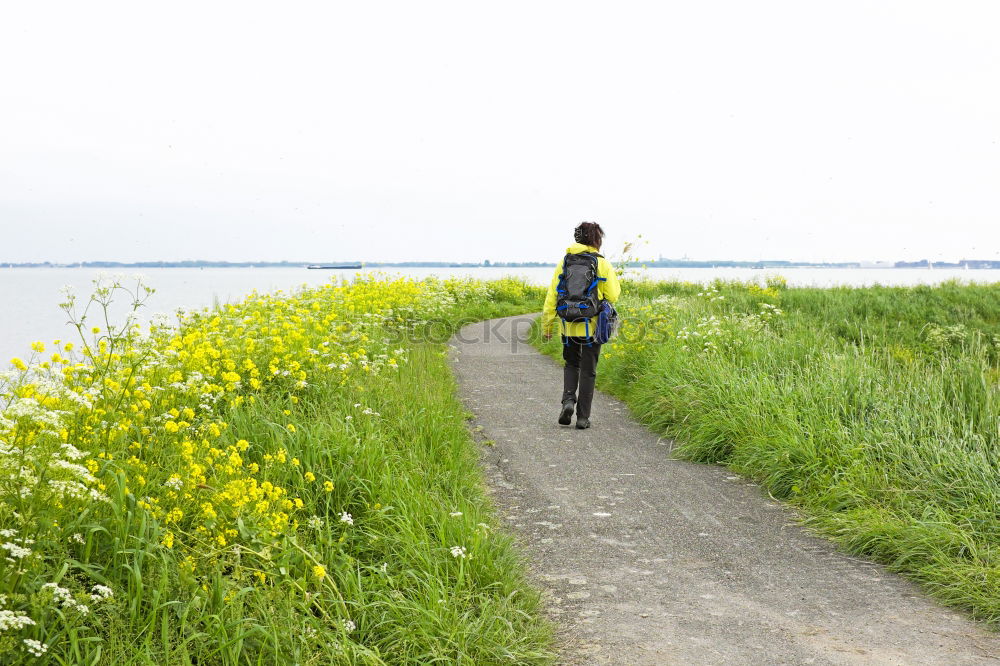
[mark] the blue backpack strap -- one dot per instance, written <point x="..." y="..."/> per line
<point x="560" y="286"/>
<point x="597" y="278"/>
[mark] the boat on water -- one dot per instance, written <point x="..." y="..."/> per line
<point x="334" y="266"/>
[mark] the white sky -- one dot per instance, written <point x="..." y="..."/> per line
<point x="464" y="130"/>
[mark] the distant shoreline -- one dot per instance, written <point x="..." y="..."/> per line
<point x="971" y="264"/>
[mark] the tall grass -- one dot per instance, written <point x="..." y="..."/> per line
<point x="286" y="480"/>
<point x="874" y="409"/>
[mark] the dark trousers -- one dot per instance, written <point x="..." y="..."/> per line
<point x="580" y="373"/>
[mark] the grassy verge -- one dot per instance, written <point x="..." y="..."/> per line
<point x="285" y="480"/>
<point x="875" y="410"/>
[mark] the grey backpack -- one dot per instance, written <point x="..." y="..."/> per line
<point x="576" y="291"/>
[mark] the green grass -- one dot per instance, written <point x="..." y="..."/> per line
<point x="402" y="474"/>
<point x="370" y="540"/>
<point x="875" y="410"/>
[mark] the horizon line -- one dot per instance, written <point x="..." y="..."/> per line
<point x="662" y="262"/>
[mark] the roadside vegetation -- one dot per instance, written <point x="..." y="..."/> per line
<point x="288" y="479"/>
<point x="874" y="410"/>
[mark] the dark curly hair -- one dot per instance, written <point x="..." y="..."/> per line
<point x="589" y="233"/>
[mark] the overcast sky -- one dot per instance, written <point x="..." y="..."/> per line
<point x="468" y="130"/>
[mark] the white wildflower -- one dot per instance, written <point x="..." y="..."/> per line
<point x="65" y="598"/>
<point x="346" y="518"/>
<point x="349" y="626"/>
<point x="458" y="552"/>
<point x="76" y="490"/>
<point x="35" y="648"/>
<point x="76" y="470"/>
<point x="101" y="592"/>
<point x="11" y="620"/>
<point x="455" y="514"/>
<point x="71" y="452"/>
<point x="15" y="550"/>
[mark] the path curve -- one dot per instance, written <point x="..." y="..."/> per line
<point x="645" y="559"/>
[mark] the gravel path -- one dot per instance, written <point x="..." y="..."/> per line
<point x="646" y="559"/>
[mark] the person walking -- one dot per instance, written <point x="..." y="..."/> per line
<point x="570" y="300"/>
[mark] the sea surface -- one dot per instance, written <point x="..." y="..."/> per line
<point x="30" y="297"/>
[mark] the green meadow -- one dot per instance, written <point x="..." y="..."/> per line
<point x="290" y="479"/>
<point x="875" y="411"/>
<point x="286" y="480"/>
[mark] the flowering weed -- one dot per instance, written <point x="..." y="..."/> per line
<point x="227" y="488"/>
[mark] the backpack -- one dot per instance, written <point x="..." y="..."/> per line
<point x="576" y="293"/>
<point x="607" y="323"/>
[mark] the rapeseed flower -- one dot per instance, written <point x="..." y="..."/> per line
<point x="138" y="424"/>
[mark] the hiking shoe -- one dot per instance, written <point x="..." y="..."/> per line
<point x="566" y="415"/>
<point x="582" y="423"/>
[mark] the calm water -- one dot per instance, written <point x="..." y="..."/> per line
<point x="29" y="297"/>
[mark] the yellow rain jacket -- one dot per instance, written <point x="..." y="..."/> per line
<point x="608" y="289"/>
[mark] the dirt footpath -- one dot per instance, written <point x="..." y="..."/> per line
<point x="646" y="559"/>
